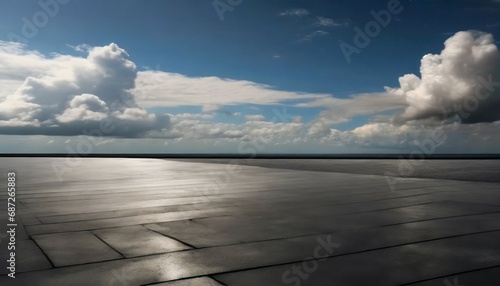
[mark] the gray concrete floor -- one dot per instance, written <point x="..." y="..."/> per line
<point x="145" y="221"/>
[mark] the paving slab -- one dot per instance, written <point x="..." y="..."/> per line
<point x="28" y="258"/>
<point x="29" y="219"/>
<point x="132" y="241"/>
<point x="73" y="248"/>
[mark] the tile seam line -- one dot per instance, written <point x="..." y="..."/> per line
<point x="446" y="217"/>
<point x="171" y="237"/>
<point x="107" y="244"/>
<point x="454" y="274"/>
<point x="44" y="253"/>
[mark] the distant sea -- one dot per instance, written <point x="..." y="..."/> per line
<point x="456" y="169"/>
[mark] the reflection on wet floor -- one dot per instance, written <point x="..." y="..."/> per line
<point x="145" y="221"/>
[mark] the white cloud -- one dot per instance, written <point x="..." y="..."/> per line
<point x="83" y="48"/>
<point x="458" y="138"/>
<point x="210" y="108"/>
<point x="64" y="95"/>
<point x="295" y="12"/>
<point x="85" y="107"/>
<point x="190" y="116"/>
<point x="315" y="34"/>
<point x="327" y="22"/>
<point x="342" y="110"/>
<point x="361" y="104"/>
<point x="449" y="81"/>
<point x="256" y="117"/>
<point x="157" y="88"/>
<point x="383" y="135"/>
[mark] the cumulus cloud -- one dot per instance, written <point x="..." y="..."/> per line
<point x="85" y="107"/>
<point x="463" y="80"/>
<point x="65" y="95"/>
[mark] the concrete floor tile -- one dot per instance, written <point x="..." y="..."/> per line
<point x="73" y="248"/>
<point x="132" y="241"/>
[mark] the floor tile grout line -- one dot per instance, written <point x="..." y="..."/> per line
<point x="184" y="279"/>
<point x="171" y="237"/>
<point x="44" y="253"/>
<point x="103" y="241"/>
<point x="447" y="217"/>
<point x="122" y="216"/>
<point x="218" y="281"/>
<point x="453" y="274"/>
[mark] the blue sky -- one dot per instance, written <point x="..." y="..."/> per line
<point x="194" y="70"/>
